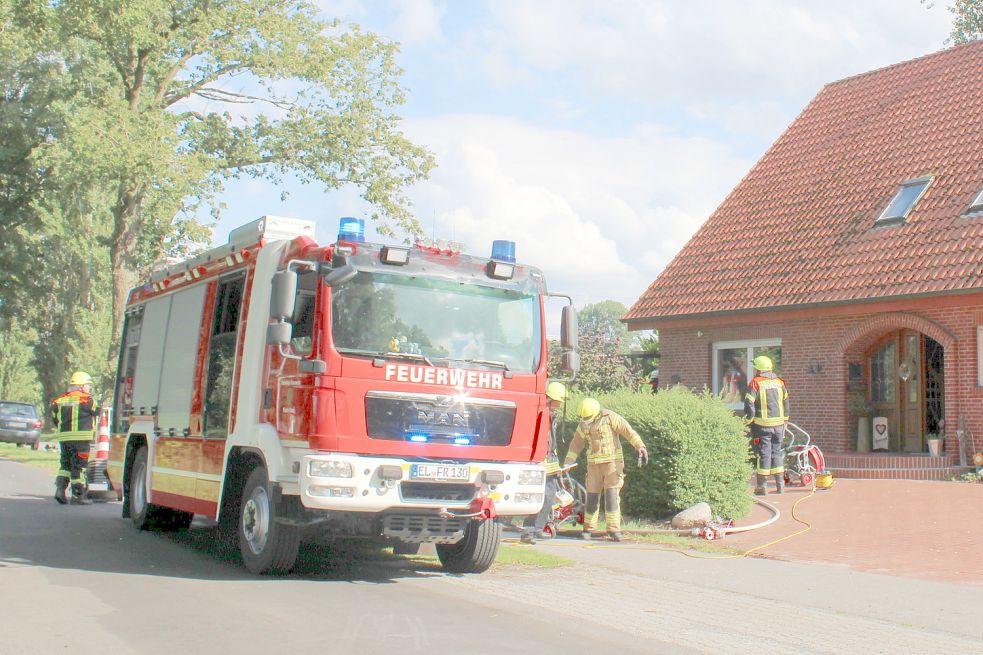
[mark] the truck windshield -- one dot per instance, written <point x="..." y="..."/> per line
<point x="436" y="321"/>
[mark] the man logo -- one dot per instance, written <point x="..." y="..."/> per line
<point x="449" y="419"/>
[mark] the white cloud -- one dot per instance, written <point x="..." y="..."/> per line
<point x="601" y="216"/>
<point x="417" y="21"/>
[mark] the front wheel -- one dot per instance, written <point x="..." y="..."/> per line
<point x="476" y="551"/>
<point x="266" y="545"/>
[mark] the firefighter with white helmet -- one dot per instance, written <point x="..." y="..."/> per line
<point x="75" y="417"/>
<point x="556" y="394"/>
<point x="602" y="430"/>
<point x="766" y="405"/>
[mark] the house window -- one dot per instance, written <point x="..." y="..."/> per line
<point x="977" y="204"/>
<point x="732" y="366"/>
<point x="904" y="200"/>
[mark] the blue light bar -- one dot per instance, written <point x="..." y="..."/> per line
<point x="419" y="438"/>
<point x="351" y="229"/>
<point x="462" y="441"/>
<point x="503" y="251"/>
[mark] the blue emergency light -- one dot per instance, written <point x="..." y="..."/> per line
<point x="418" y="438"/>
<point x="503" y="251"/>
<point x="351" y="229"/>
<point x="462" y="441"/>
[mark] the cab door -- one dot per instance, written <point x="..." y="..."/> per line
<point x="219" y="379"/>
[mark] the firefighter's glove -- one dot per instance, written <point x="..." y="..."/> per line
<point x="643" y="456"/>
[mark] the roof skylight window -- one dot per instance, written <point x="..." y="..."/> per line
<point x="904" y="200"/>
<point x="977" y="204"/>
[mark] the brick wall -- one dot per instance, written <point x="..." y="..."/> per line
<point x="815" y="353"/>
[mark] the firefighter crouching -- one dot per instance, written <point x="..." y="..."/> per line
<point x="75" y="417"/>
<point x="766" y="404"/>
<point x="601" y="430"/>
<point x="557" y="394"/>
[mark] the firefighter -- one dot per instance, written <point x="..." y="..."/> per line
<point x="75" y="417"/>
<point x="556" y="394"/>
<point x="766" y="405"/>
<point x="601" y="430"/>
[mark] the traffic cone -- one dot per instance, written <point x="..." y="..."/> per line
<point x="102" y="445"/>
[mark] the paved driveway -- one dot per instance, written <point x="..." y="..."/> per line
<point x="918" y="529"/>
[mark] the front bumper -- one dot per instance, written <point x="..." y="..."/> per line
<point x="373" y="486"/>
<point x="19" y="436"/>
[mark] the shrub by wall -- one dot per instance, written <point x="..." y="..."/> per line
<point x="698" y="452"/>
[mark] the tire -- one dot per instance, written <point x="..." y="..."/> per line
<point x="475" y="552"/>
<point x="266" y="546"/>
<point x="403" y="548"/>
<point x="146" y="516"/>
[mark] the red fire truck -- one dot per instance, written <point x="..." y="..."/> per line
<point x="288" y="390"/>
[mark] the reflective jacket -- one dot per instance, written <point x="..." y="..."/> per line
<point x="75" y="416"/>
<point x="603" y="439"/>
<point x="766" y="400"/>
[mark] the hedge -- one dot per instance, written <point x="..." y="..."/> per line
<point x="698" y="452"/>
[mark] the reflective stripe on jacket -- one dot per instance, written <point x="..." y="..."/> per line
<point x="75" y="417"/>
<point x="766" y="400"/>
<point x="603" y="439"/>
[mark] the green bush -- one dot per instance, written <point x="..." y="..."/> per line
<point x="698" y="452"/>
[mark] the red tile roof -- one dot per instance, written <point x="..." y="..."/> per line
<point x="799" y="228"/>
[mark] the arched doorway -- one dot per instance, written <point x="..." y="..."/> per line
<point x="906" y="386"/>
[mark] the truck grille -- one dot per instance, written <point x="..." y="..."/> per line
<point x="439" y="419"/>
<point x="424" y="528"/>
<point x="437" y="491"/>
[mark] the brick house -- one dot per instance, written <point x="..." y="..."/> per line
<point x="852" y="252"/>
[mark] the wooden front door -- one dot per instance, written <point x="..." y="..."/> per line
<point x="897" y="388"/>
<point x="912" y="396"/>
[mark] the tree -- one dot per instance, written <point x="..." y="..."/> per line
<point x="968" y="22"/>
<point x="183" y="95"/>
<point x="603" y="345"/>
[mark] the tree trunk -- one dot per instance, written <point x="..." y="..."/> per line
<point x="123" y="254"/>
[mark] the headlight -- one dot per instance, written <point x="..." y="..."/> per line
<point x="327" y="469"/>
<point x="536" y="477"/>
<point x="529" y="498"/>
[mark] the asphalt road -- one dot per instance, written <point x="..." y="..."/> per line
<point x="83" y="580"/>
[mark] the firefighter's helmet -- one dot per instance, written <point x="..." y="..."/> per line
<point x="557" y="391"/>
<point x="589" y="408"/>
<point x="763" y="363"/>
<point x="79" y="378"/>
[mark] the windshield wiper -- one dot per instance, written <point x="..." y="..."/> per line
<point x="387" y="355"/>
<point x="483" y="362"/>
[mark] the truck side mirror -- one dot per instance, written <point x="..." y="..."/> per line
<point x="340" y="275"/>
<point x="568" y="328"/>
<point x="283" y="295"/>
<point x="570" y="362"/>
<point x="279" y="333"/>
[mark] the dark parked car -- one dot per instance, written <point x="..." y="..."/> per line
<point x="20" y="423"/>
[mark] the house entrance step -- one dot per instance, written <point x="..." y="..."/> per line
<point x="894" y="466"/>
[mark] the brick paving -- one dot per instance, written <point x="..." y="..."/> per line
<point x="918" y="529"/>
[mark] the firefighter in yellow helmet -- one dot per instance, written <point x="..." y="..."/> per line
<point x="556" y="394"/>
<point x="766" y="405"/>
<point x="602" y="430"/>
<point x="75" y="417"/>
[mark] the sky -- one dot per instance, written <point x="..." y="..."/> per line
<point x="598" y="135"/>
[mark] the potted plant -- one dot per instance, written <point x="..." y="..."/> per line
<point x="934" y="443"/>
<point x="863" y="409"/>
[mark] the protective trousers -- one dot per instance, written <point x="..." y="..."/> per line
<point x="539" y="521"/>
<point x="769" y="449"/>
<point x="73" y="465"/>
<point x="604" y="478"/>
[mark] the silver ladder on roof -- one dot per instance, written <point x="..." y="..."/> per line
<point x="270" y="228"/>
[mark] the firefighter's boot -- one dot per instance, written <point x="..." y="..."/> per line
<point x="79" y="495"/>
<point x="61" y="484"/>
<point x="779" y="483"/>
<point x="612" y="513"/>
<point x="760" y="482"/>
